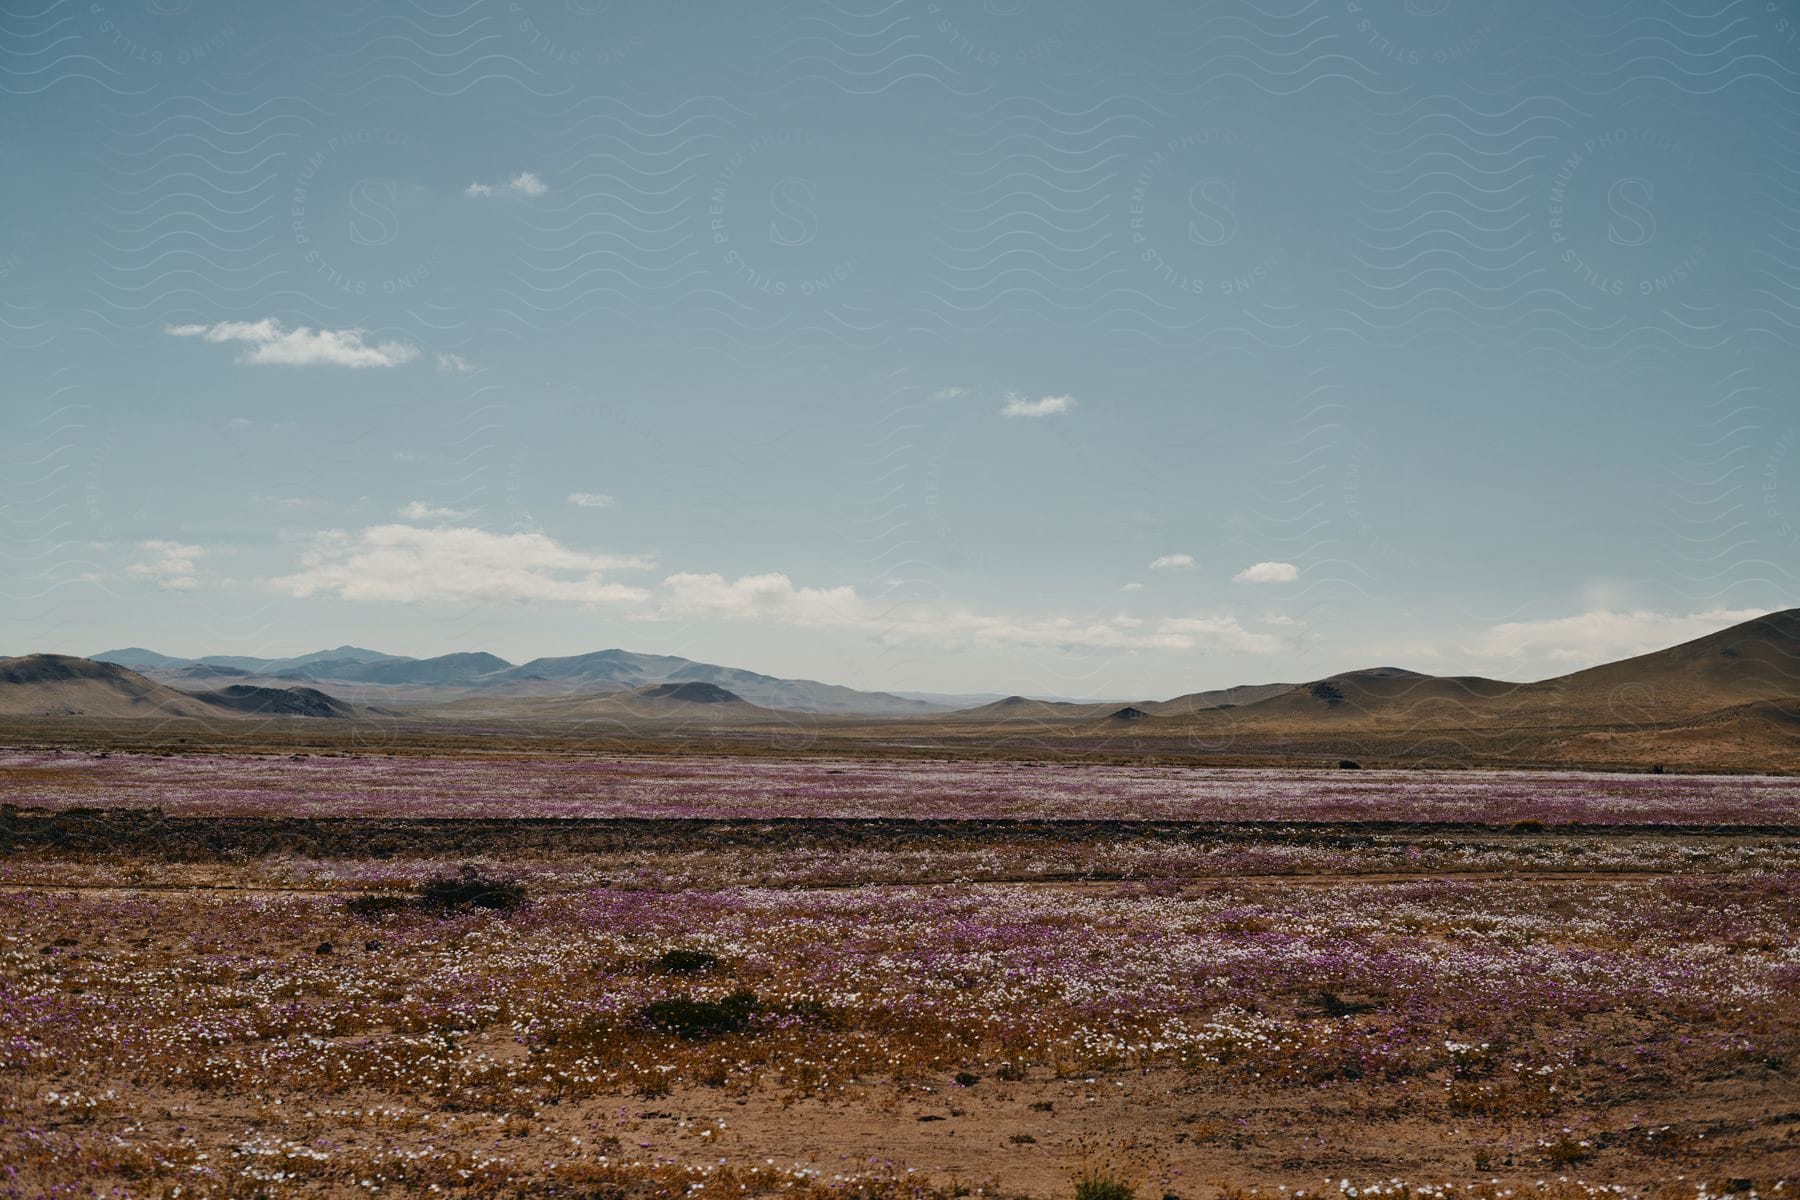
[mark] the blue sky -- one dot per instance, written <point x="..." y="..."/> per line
<point x="998" y="345"/>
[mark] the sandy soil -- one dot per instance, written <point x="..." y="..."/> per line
<point x="127" y="970"/>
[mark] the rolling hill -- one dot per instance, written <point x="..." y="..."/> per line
<point x="1383" y="695"/>
<point x="606" y="670"/>
<point x="452" y="669"/>
<point x="139" y="659"/>
<point x="277" y="702"/>
<point x="59" y="685"/>
<point x="1231" y="697"/>
<point x="371" y="677"/>
<point x="1728" y="700"/>
<point x="1756" y="660"/>
<point x="1023" y="708"/>
<point x="661" y="704"/>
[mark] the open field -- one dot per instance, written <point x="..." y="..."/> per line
<point x="812" y="977"/>
<point x="660" y="788"/>
<point x="1760" y="742"/>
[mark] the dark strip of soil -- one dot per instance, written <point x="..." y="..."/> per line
<point x="149" y="833"/>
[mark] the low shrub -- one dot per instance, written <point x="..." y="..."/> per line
<point x="1333" y="1005"/>
<point x="371" y="908"/>
<point x="1566" y="1150"/>
<point x="810" y="1013"/>
<point x="1100" y="1186"/>
<point x="681" y="961"/>
<point x="470" y="889"/>
<point x="465" y="891"/>
<point x="697" y="1020"/>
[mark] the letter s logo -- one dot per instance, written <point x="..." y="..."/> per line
<point x="1214" y="220"/>
<point x="373" y="221"/>
<point x="795" y="223"/>
<point x="1630" y="199"/>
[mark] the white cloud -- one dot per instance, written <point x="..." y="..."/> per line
<point x="950" y="393"/>
<point x="590" y="500"/>
<point x="1222" y="631"/>
<point x="1268" y="572"/>
<point x="955" y="628"/>
<point x="271" y="344"/>
<point x="1018" y="406"/>
<point x="454" y="364"/>
<point x="169" y="564"/>
<point x="1134" y="587"/>
<point x="418" y="510"/>
<point x="774" y="597"/>
<point x="405" y="563"/>
<point x="413" y="564"/>
<point x="525" y="183"/>
<point x="1600" y="636"/>
<point x="769" y="596"/>
<point x="1166" y="561"/>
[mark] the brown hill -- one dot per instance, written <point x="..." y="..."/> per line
<point x="277" y="701"/>
<point x="1387" y="695"/>
<point x="657" y="704"/>
<point x="60" y="685"/>
<point x="1020" y="708"/>
<point x="1231" y="697"/>
<point x="1756" y="660"/>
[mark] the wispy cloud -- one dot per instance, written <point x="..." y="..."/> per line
<point x="1599" y="636"/>
<point x="590" y="500"/>
<point x="272" y="344"/>
<point x="767" y="596"/>
<point x="454" y="364"/>
<point x="409" y="564"/>
<point x="525" y="183"/>
<point x="418" y="510"/>
<point x="1267" y="572"/>
<point x="1046" y="406"/>
<point x="414" y="564"/>
<point x="1169" y="561"/>
<point x="168" y="564"/>
<point x="1225" y="632"/>
<point x="773" y="597"/>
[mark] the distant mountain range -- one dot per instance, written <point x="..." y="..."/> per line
<point x="355" y="673"/>
<point x="1729" y="699"/>
<point x="1756" y="661"/>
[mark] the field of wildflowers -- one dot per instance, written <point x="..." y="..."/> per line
<point x="664" y="787"/>
<point x="1449" y="1014"/>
